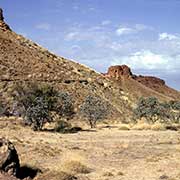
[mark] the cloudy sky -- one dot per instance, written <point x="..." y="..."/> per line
<point x="144" y="34"/>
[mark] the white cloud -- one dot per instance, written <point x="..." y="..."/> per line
<point x="166" y="36"/>
<point x="142" y="27"/>
<point x="124" y="31"/>
<point x="43" y="26"/>
<point x="71" y="36"/>
<point x="133" y="29"/>
<point x="105" y="23"/>
<point x="146" y="59"/>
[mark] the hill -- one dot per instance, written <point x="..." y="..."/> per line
<point x="23" y="61"/>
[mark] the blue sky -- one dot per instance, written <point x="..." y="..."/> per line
<point x="144" y="34"/>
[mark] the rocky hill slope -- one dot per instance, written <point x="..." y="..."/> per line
<point x="22" y="60"/>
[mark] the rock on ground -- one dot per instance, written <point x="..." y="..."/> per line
<point x="9" y="161"/>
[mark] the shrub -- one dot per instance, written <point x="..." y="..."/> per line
<point x="65" y="105"/>
<point x="65" y="127"/>
<point x="151" y="109"/>
<point x="4" y="109"/>
<point x="94" y="109"/>
<point x="62" y="126"/>
<point x="39" y="101"/>
<point x="174" y="105"/>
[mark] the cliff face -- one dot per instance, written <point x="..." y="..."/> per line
<point x="118" y="72"/>
<point x="124" y="75"/>
<point x="150" y="81"/>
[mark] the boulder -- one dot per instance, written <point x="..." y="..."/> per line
<point x="9" y="161"/>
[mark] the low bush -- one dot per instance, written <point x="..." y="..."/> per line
<point x="62" y="126"/>
<point x="65" y="127"/>
<point x="151" y="109"/>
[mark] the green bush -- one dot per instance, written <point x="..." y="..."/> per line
<point x="4" y="109"/>
<point x="151" y="109"/>
<point x="62" y="126"/>
<point x="65" y="127"/>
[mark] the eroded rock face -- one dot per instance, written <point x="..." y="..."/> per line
<point x="149" y="80"/>
<point x="118" y="72"/>
<point x="9" y="161"/>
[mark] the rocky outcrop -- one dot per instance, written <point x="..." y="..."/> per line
<point x="123" y="71"/>
<point x="123" y="75"/>
<point x="149" y="80"/>
<point x="9" y="161"/>
<point x="3" y="25"/>
<point x="118" y="72"/>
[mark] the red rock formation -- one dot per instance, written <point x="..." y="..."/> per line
<point x="118" y="72"/>
<point x="124" y="73"/>
<point x="150" y="81"/>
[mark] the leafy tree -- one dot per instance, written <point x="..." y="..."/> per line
<point x="150" y="108"/>
<point x="94" y="109"/>
<point x="39" y="101"/>
<point x="64" y="105"/>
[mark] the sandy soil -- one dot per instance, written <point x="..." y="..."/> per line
<point x="110" y="154"/>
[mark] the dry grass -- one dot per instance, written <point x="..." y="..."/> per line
<point x="98" y="155"/>
<point x="124" y="127"/>
<point x="141" y="126"/>
<point x="158" y="127"/>
<point x="76" y="167"/>
<point x="74" y="163"/>
<point x="56" y="176"/>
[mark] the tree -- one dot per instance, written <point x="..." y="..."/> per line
<point x="151" y="108"/>
<point x="39" y="101"/>
<point x="64" y="105"/>
<point x="94" y="109"/>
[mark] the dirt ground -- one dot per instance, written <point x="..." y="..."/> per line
<point x="107" y="154"/>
